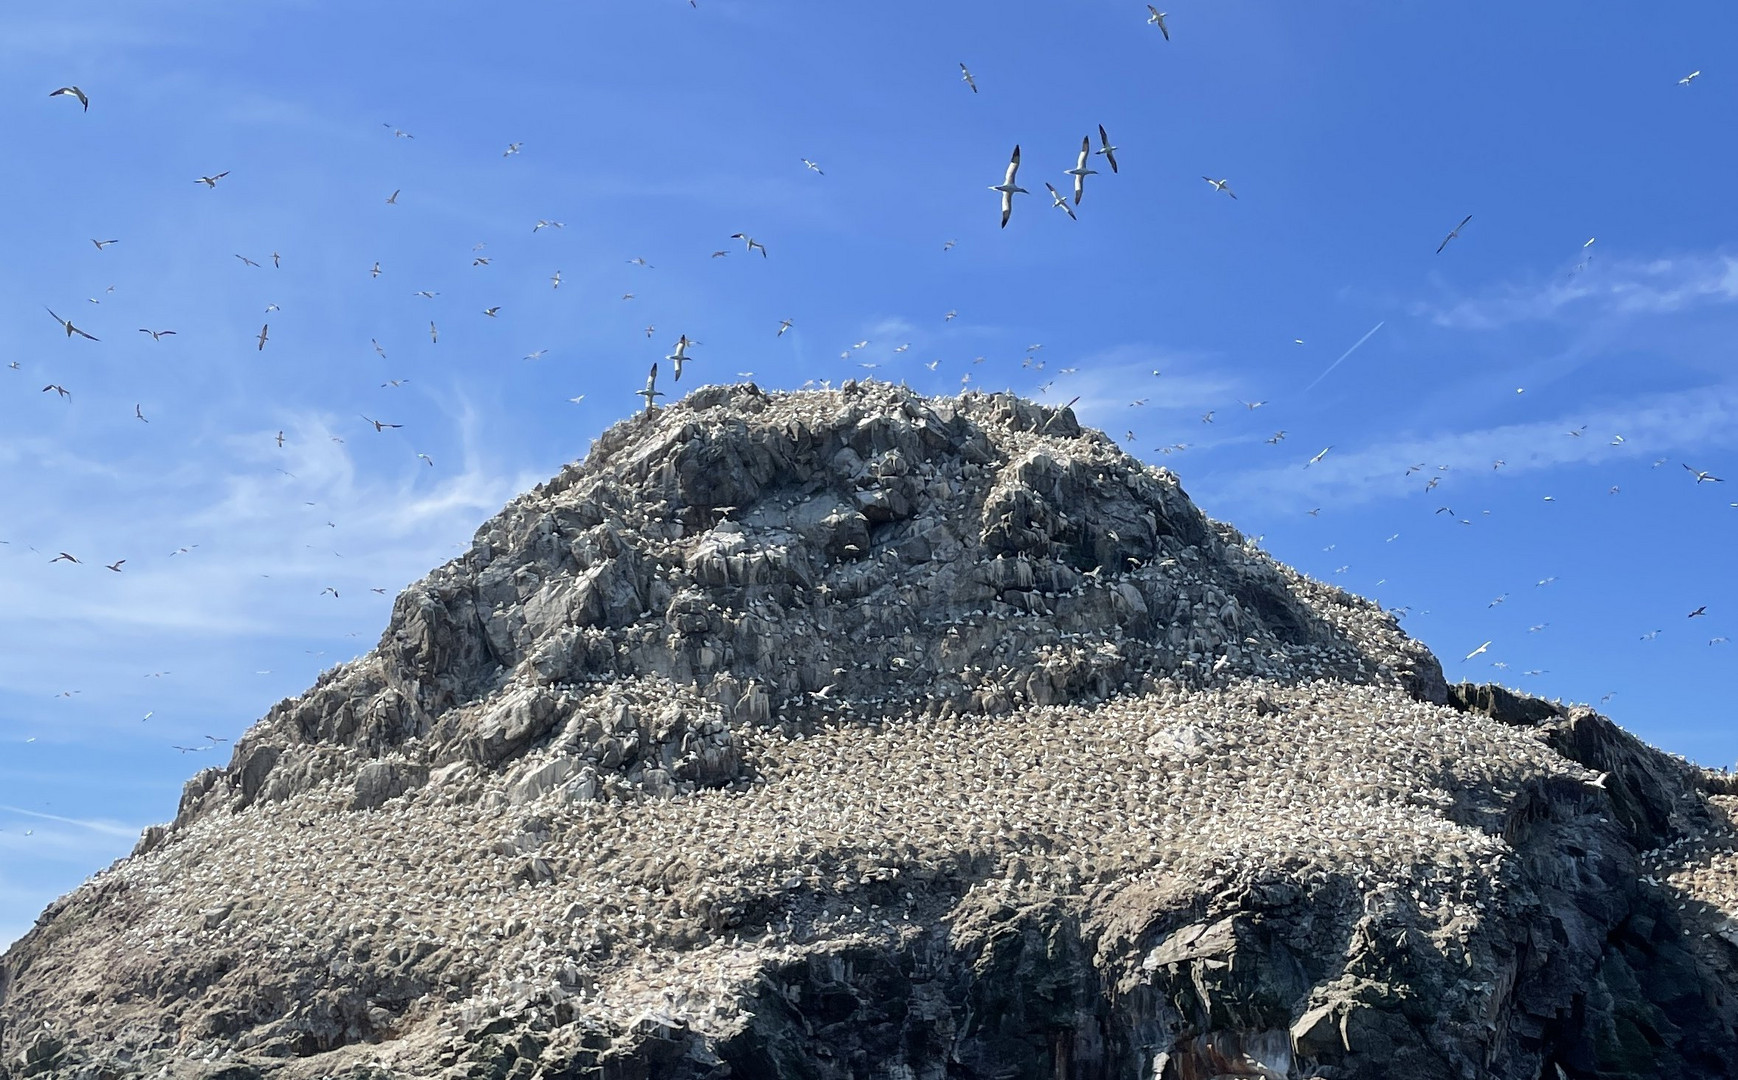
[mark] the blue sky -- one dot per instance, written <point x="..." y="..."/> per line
<point x="1355" y="135"/>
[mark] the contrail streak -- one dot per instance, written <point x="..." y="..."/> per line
<point x="95" y="826"/>
<point x="1347" y="353"/>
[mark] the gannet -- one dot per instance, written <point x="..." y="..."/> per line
<point x="1155" y="17"/>
<point x="71" y="329"/>
<point x="651" y="393"/>
<point x="1453" y="234"/>
<point x="1105" y="148"/>
<point x="73" y="91"/>
<point x="1080" y="172"/>
<point x="1058" y="200"/>
<point x="966" y="76"/>
<point x="1221" y="185"/>
<point x="1009" y="189"/>
<point x="678" y="357"/>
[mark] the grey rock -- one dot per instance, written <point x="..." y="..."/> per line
<point x="859" y="733"/>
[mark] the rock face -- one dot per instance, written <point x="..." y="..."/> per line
<point x="861" y="734"/>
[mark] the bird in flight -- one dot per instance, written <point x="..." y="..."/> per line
<point x="1155" y="17"/>
<point x="1080" y="172"/>
<point x="678" y="357"/>
<point x="545" y="224"/>
<point x="966" y="77"/>
<point x="651" y="393"/>
<point x="784" y="324"/>
<point x="1685" y="81"/>
<point x="392" y="200"/>
<point x="751" y="242"/>
<point x="116" y="565"/>
<point x="1703" y="610"/>
<point x="812" y="167"/>
<point x="512" y="148"/>
<point x="280" y="440"/>
<point x="1318" y="457"/>
<point x="555" y="280"/>
<point x="1008" y="188"/>
<point x="1478" y="650"/>
<point x="1453" y="234"/>
<point x="1059" y="200"/>
<point x="1701" y="476"/>
<point x="139" y="413"/>
<point x="1105" y="148"/>
<point x="211" y="181"/>
<point x="641" y="261"/>
<point x="1221" y="185"/>
<point x="101" y="244"/>
<point x="434" y="335"/>
<point x="63" y="557"/>
<point x="157" y="335"/>
<point x="262" y="337"/>
<point x="73" y="91"/>
<point x="490" y="311"/>
<point x="68" y="326"/>
<point x="245" y="261"/>
<point x="380" y="425"/>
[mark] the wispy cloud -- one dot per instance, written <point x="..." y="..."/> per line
<point x="1604" y="289"/>
<point x="1680" y="424"/>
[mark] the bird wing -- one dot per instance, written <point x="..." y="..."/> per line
<point x="1007" y="207"/>
<point x="1013" y="167"/>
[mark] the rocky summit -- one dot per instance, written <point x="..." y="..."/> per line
<point x="858" y="734"/>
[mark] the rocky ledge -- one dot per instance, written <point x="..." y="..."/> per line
<point x="860" y="734"/>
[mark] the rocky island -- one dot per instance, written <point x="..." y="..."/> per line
<point x="859" y="734"/>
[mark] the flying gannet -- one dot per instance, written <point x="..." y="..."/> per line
<point x="1009" y="189"/>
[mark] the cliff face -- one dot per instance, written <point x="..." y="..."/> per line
<point x="854" y="733"/>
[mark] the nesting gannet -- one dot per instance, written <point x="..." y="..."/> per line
<point x="71" y="329"/>
<point x="1080" y="172"/>
<point x="966" y="77"/>
<point x="678" y="357"/>
<point x="1155" y="17"/>
<point x="73" y="91"/>
<point x="1058" y="200"/>
<point x="1453" y="234"/>
<point x="1105" y="148"/>
<point x="651" y="393"/>
<point x="1009" y="189"/>
<point x="1221" y="185"/>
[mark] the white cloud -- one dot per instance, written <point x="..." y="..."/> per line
<point x="1602" y="289"/>
<point x="1684" y="425"/>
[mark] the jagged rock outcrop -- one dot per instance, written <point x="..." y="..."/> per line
<point x="855" y="733"/>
